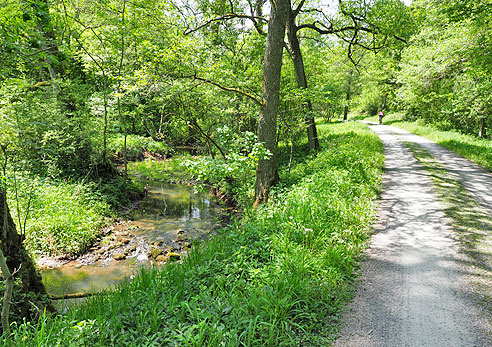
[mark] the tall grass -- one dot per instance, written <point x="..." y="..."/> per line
<point x="277" y="278"/>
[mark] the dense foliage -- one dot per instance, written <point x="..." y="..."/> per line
<point x="279" y="277"/>
<point x="88" y="85"/>
<point x="59" y="218"/>
<point x="443" y="75"/>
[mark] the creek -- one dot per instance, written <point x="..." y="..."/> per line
<point x="163" y="228"/>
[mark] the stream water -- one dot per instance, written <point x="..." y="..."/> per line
<point x="169" y="219"/>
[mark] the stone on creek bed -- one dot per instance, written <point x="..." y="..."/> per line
<point x="155" y="252"/>
<point x="173" y="256"/>
<point x="123" y="240"/>
<point x="119" y="256"/>
<point x="161" y="258"/>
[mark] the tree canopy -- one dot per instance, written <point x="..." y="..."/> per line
<point x="232" y="80"/>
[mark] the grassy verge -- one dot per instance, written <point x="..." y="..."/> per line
<point x="60" y="217"/>
<point x="278" y="278"/>
<point x="470" y="147"/>
<point x="472" y="224"/>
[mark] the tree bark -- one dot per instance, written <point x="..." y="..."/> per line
<point x="7" y="296"/>
<point x="267" y="170"/>
<point x="482" y="130"/>
<point x="31" y="296"/>
<point x="120" y="90"/>
<point x="297" y="60"/>
<point x="347" y="98"/>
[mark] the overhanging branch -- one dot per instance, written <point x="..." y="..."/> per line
<point x="229" y="89"/>
<point x="227" y="16"/>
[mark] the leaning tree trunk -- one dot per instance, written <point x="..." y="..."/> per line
<point x="30" y="295"/>
<point x="7" y="296"/>
<point x="296" y="56"/>
<point x="267" y="170"/>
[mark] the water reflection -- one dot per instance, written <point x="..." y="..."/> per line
<point x="168" y="215"/>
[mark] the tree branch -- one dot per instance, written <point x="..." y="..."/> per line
<point x="250" y="96"/>
<point x="298" y="9"/>
<point x="330" y="29"/>
<point x="227" y="16"/>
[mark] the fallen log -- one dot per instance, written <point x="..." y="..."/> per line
<point x="72" y="296"/>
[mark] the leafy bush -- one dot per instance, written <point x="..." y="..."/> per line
<point x="44" y="137"/>
<point x="117" y="191"/>
<point x="233" y="175"/>
<point x="278" y="278"/>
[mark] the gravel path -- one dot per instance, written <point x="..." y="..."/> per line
<point x="414" y="288"/>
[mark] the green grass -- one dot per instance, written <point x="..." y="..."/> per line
<point x="168" y="170"/>
<point x="470" y="147"/>
<point x="64" y="217"/>
<point x="280" y="277"/>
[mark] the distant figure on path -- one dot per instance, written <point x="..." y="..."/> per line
<point x="381" y="115"/>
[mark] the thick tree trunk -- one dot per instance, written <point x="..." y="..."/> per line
<point x="267" y="170"/>
<point x="296" y="56"/>
<point x="30" y="295"/>
<point x="347" y="98"/>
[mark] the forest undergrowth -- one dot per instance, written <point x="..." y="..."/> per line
<point x="278" y="277"/>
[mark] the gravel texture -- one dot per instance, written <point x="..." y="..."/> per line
<point x="415" y="286"/>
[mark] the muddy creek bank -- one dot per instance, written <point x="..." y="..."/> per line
<point x="162" y="229"/>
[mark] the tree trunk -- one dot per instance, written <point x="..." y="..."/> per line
<point x="105" y="128"/>
<point x="347" y="99"/>
<point x="7" y="296"/>
<point x="30" y="296"/>
<point x="482" y="130"/>
<point x="120" y="90"/>
<point x="49" y="45"/>
<point x="384" y="102"/>
<point x="296" y="56"/>
<point x="267" y="170"/>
